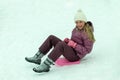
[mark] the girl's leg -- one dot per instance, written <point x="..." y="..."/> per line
<point x="44" y="48"/>
<point x="63" y="49"/>
<point x="60" y="49"/>
<point x="49" y="43"/>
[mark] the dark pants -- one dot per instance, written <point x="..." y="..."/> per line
<point x="60" y="48"/>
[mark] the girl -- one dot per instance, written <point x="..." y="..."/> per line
<point x="74" y="49"/>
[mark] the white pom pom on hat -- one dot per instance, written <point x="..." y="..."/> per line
<point x="80" y="16"/>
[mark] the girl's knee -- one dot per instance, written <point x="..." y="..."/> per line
<point x="51" y="36"/>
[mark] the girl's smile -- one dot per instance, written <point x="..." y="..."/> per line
<point x="80" y="24"/>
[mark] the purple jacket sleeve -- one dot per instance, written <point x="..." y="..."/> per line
<point x="86" y="47"/>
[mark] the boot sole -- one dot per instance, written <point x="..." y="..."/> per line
<point x="32" y="61"/>
<point x="40" y="71"/>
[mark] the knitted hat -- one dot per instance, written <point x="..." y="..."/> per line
<point x="80" y="16"/>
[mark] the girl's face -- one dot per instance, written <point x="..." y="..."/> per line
<point x="80" y="24"/>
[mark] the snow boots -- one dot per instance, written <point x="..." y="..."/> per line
<point x="36" y="58"/>
<point x="44" y="67"/>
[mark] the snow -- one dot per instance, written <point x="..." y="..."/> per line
<point x="25" y="24"/>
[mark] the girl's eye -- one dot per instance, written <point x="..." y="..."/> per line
<point x="76" y="22"/>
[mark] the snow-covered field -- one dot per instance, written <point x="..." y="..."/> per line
<point x="25" y="24"/>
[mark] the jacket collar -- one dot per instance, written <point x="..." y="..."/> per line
<point x="76" y="28"/>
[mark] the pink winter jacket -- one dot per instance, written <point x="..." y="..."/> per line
<point x="84" y="45"/>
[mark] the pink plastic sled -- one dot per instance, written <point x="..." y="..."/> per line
<point x="63" y="62"/>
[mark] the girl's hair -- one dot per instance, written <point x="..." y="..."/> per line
<point x="89" y="30"/>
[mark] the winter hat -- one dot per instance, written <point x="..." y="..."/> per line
<point x="80" y="16"/>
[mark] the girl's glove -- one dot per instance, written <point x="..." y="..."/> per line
<point x="66" y="40"/>
<point x="72" y="44"/>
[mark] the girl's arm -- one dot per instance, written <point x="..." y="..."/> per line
<point x="86" y="48"/>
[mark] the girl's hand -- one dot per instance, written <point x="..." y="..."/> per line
<point x="72" y="44"/>
<point x="66" y="40"/>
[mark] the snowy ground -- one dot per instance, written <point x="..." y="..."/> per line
<point x="25" y="24"/>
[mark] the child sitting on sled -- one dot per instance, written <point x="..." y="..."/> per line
<point x="73" y="49"/>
